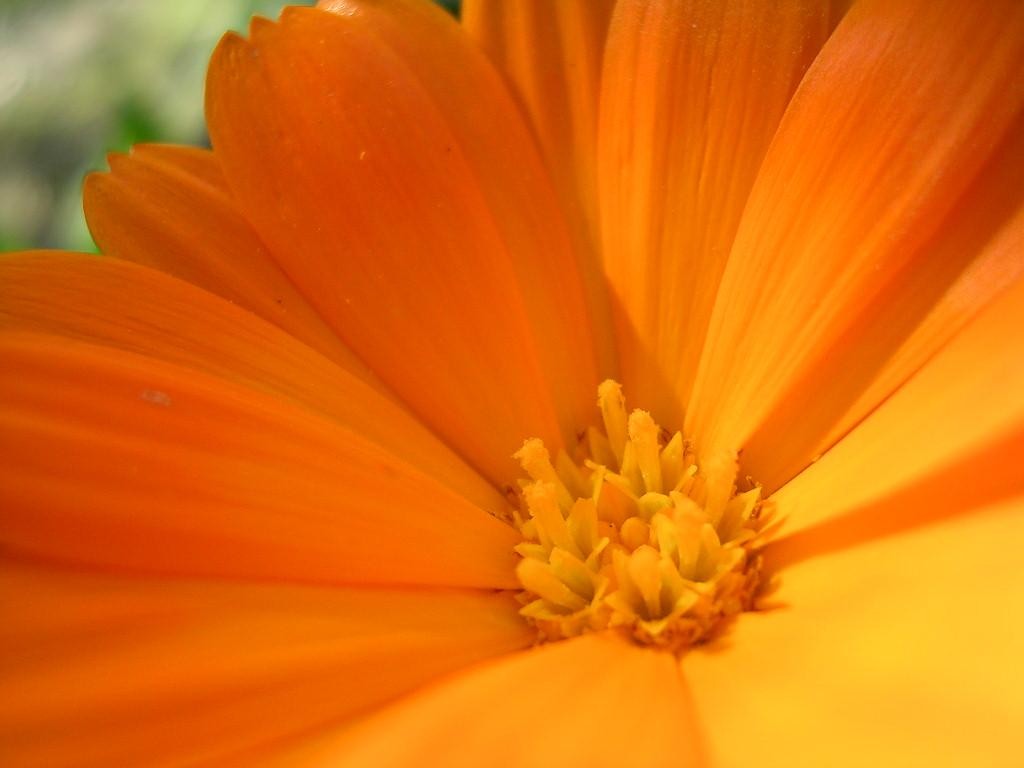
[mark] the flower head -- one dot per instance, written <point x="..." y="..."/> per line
<point x="265" y="491"/>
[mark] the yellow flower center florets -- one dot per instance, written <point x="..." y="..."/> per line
<point x="635" y="533"/>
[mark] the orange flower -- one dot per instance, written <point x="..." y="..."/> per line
<point x="258" y="459"/>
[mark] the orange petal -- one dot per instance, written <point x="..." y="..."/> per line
<point x="889" y="130"/>
<point x="902" y="652"/>
<point x="380" y="157"/>
<point x="115" y="459"/>
<point x="551" y="55"/>
<point x="972" y="257"/>
<point x="692" y="95"/>
<point x="118" y="304"/>
<point x="997" y="267"/>
<point x="593" y="700"/>
<point x="949" y="439"/>
<point x="105" y="670"/>
<point x="168" y="207"/>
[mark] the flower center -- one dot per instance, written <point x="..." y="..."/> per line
<point x="635" y="533"/>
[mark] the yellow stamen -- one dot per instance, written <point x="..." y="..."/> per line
<point x="551" y="527"/>
<point x="613" y="412"/>
<point x="643" y="434"/>
<point x="635" y="533"/>
<point x="536" y="460"/>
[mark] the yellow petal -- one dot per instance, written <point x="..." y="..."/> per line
<point x="551" y="55"/>
<point x="119" y="460"/>
<point x="948" y="440"/>
<point x="594" y="700"/>
<point x="691" y="97"/>
<point x="381" y="159"/>
<point x="891" y="127"/>
<point x="902" y="652"/>
<point x="110" y="670"/>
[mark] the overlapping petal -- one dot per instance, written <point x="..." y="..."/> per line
<point x="551" y="55"/>
<point x="168" y="207"/>
<point x="118" y="304"/>
<point x="948" y="440"/>
<point x="594" y="700"/>
<point x="901" y="652"/>
<point x="971" y="259"/>
<point x="110" y="670"/>
<point x="691" y="97"/>
<point x="997" y="266"/>
<point x="122" y="461"/>
<point x="379" y="156"/>
<point x="891" y="127"/>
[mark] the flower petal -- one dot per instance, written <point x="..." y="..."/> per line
<point x="891" y="126"/>
<point x="168" y="207"/>
<point x="902" y="652"/>
<point x="594" y="700"/>
<point x="948" y="440"/>
<point x="551" y="55"/>
<point x="382" y="160"/>
<point x="975" y="254"/>
<point x="691" y="97"/>
<point x="996" y="268"/>
<point x="115" y="459"/>
<point x="107" y="670"/>
<point x="115" y="303"/>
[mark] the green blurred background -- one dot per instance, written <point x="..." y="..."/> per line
<point x="80" y="78"/>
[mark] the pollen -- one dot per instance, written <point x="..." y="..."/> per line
<point x="636" y="533"/>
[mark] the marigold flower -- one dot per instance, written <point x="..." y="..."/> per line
<point x="327" y="460"/>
